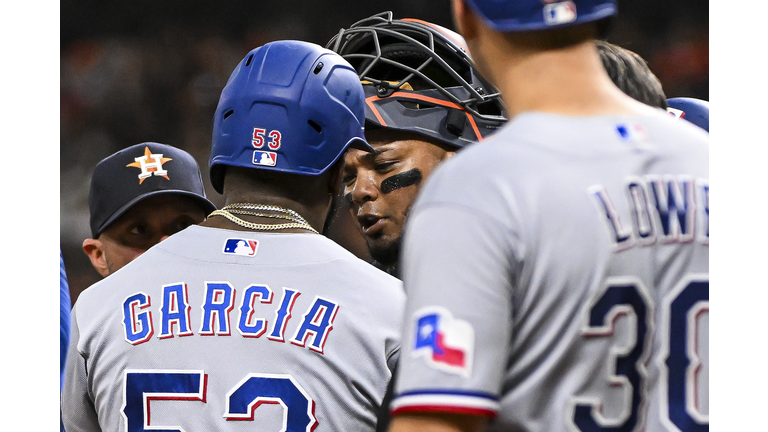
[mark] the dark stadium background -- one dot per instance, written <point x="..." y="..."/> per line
<point x="141" y="70"/>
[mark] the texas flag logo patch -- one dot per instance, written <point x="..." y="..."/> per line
<point x="264" y="158"/>
<point x="444" y="342"/>
<point x="241" y="247"/>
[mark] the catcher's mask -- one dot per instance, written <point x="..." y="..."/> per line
<point x="418" y="77"/>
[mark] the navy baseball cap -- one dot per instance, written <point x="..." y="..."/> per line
<point x="138" y="172"/>
<point x="532" y="15"/>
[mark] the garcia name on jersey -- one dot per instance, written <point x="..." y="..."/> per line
<point x="173" y="316"/>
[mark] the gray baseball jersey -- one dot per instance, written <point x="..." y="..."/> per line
<point x="556" y="278"/>
<point x="220" y="330"/>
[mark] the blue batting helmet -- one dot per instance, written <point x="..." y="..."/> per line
<point x="419" y="77"/>
<point x="528" y="15"/>
<point x="694" y="110"/>
<point x="288" y="106"/>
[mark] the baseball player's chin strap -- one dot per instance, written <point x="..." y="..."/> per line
<point x="275" y="212"/>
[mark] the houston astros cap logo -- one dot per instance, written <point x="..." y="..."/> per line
<point x="150" y="164"/>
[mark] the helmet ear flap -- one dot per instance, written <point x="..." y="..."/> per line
<point x="216" y="175"/>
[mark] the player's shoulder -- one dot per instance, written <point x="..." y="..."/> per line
<point x="677" y="131"/>
<point x="354" y="265"/>
<point x="142" y="268"/>
<point x="89" y="306"/>
<point x="368" y="289"/>
<point x="675" y="144"/>
<point x="529" y="138"/>
<point x="542" y="134"/>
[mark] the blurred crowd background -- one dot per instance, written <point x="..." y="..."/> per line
<point x="143" y="70"/>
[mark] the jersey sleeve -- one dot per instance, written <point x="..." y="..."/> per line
<point x="457" y="322"/>
<point x="77" y="410"/>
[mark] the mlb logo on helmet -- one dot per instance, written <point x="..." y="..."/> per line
<point x="560" y="13"/>
<point x="446" y="343"/>
<point x="241" y="247"/>
<point x="264" y="158"/>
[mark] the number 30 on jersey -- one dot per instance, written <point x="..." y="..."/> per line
<point x="679" y="363"/>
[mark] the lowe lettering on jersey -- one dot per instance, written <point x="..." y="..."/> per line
<point x="174" y="319"/>
<point x="666" y="209"/>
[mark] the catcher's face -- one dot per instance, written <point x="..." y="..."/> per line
<point x="380" y="187"/>
<point x="143" y="226"/>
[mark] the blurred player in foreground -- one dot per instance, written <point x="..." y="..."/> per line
<point x="138" y="197"/>
<point x="424" y="102"/>
<point x="557" y="275"/>
<point x="251" y="319"/>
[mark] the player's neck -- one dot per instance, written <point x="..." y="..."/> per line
<point x="568" y="81"/>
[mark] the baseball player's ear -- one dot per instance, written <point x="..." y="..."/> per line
<point x="95" y="251"/>
<point x="463" y="19"/>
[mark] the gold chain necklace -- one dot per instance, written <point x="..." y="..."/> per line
<point x="277" y="212"/>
